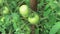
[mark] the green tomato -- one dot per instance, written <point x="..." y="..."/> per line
<point x="6" y="10"/>
<point x="2" y="19"/>
<point x="34" y="18"/>
<point x="24" y="10"/>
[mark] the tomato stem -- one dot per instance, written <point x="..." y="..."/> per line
<point x="33" y="29"/>
<point x="33" y="5"/>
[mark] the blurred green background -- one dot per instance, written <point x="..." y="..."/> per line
<point x="12" y="22"/>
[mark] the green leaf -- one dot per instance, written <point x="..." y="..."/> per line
<point x="37" y="31"/>
<point x="46" y="13"/>
<point x="15" y="17"/>
<point x="52" y="18"/>
<point x="46" y="7"/>
<point x="55" y="28"/>
<point x="15" y="20"/>
<point x="27" y="2"/>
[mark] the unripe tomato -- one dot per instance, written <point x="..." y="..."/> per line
<point x="34" y="18"/>
<point x="5" y="10"/>
<point x="2" y="19"/>
<point x="24" y="10"/>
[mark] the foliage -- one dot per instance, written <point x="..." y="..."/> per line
<point x="12" y="22"/>
<point x="55" y="28"/>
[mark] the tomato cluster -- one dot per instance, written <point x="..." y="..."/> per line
<point x="24" y="10"/>
<point x="33" y="18"/>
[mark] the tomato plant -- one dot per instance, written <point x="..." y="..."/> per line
<point x="29" y="16"/>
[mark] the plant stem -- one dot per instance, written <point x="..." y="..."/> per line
<point x="33" y="5"/>
<point x="33" y="29"/>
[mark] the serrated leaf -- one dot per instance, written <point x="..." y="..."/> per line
<point x="46" y="7"/>
<point x="55" y="28"/>
<point x="15" y="20"/>
<point x="52" y="18"/>
<point x="37" y="31"/>
<point x="15" y="17"/>
<point x="46" y="13"/>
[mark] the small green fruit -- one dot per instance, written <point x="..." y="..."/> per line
<point x="34" y="18"/>
<point x="24" y="10"/>
<point x="2" y="19"/>
<point x="6" y="10"/>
